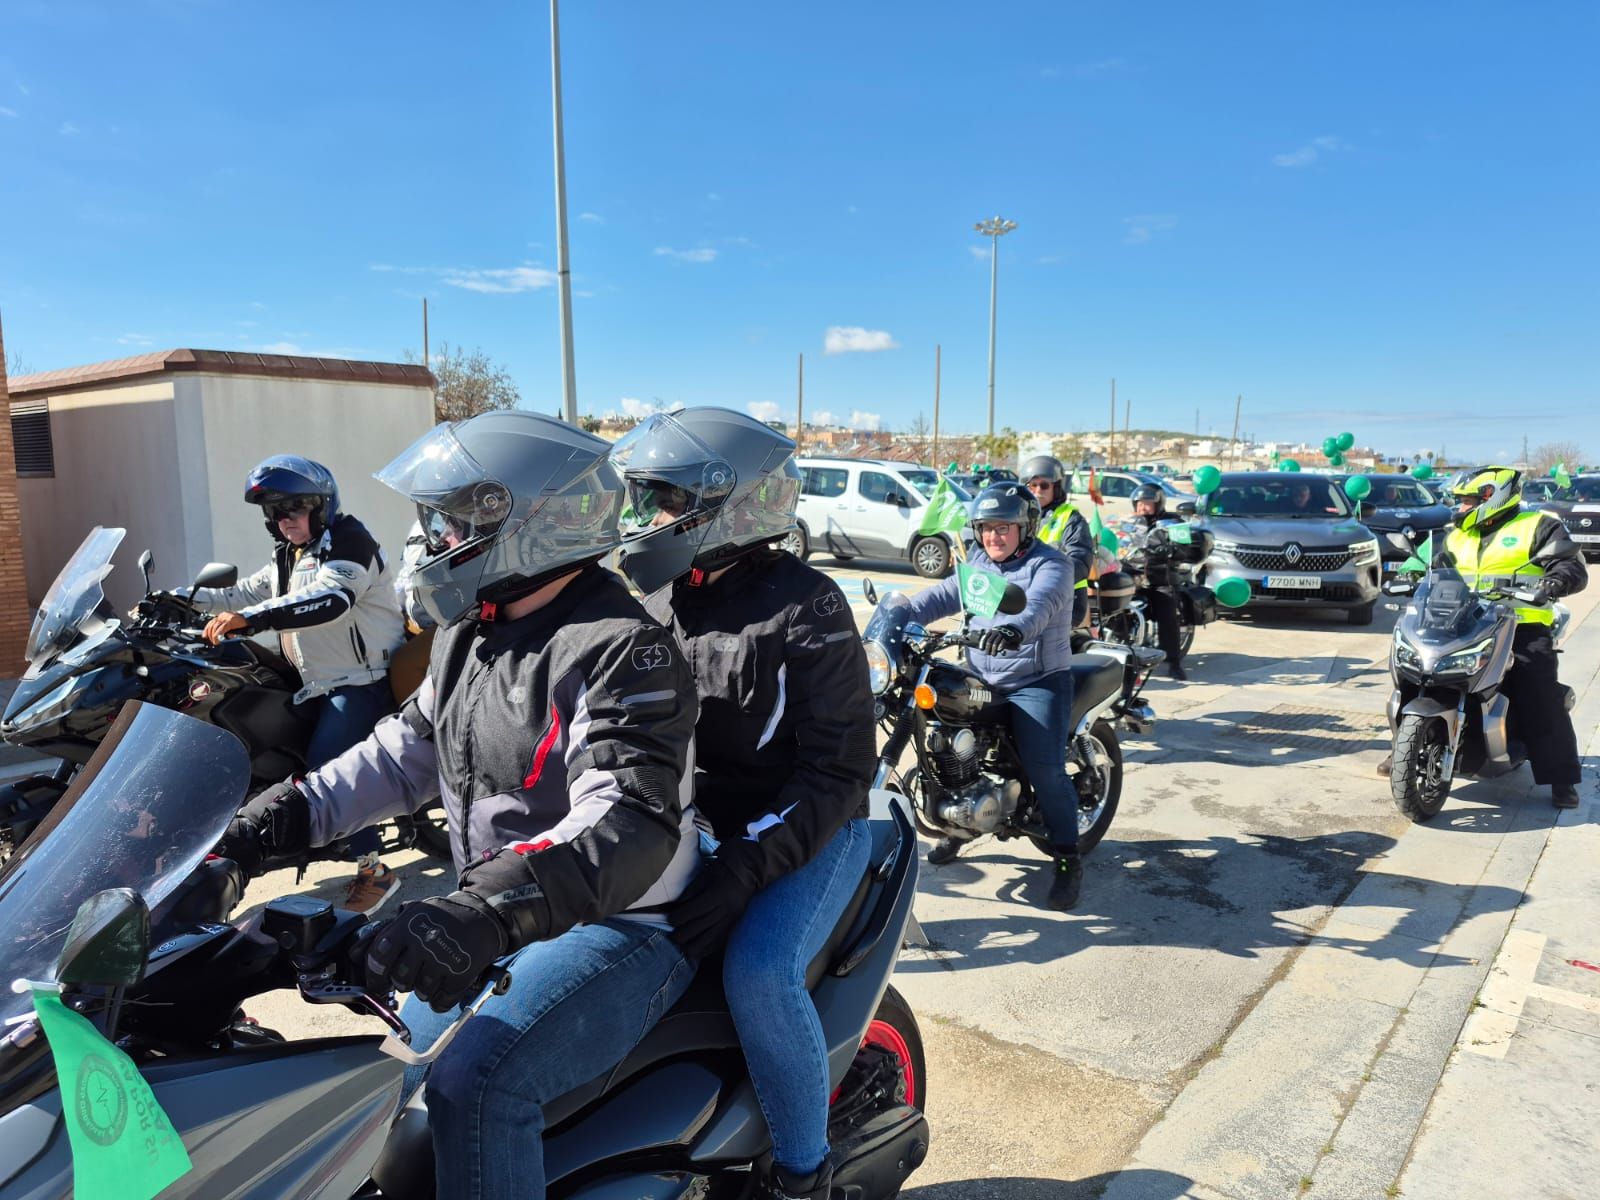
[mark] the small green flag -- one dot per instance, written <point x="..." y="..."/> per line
<point x="1421" y="558"/>
<point x="123" y="1145"/>
<point x="944" y="513"/>
<point x="1180" y="535"/>
<point x="980" y="590"/>
<point x="1563" y="480"/>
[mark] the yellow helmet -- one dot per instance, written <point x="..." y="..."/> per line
<point x="1484" y="495"/>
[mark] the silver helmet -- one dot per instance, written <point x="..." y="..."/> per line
<point x="705" y="486"/>
<point x="507" y="501"/>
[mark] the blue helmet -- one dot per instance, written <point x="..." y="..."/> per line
<point x="287" y="477"/>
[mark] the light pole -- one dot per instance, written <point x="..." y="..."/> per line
<point x="569" y="380"/>
<point x="992" y="229"/>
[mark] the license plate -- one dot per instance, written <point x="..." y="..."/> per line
<point x="1586" y="537"/>
<point x="1304" y="583"/>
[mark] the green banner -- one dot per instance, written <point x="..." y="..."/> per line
<point x="944" y="512"/>
<point x="980" y="590"/>
<point x="1420" y="560"/>
<point x="1180" y="535"/>
<point x="123" y="1145"/>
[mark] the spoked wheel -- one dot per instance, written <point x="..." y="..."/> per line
<point x="1185" y="639"/>
<point x="1418" y="780"/>
<point x="889" y="1069"/>
<point x="1094" y="768"/>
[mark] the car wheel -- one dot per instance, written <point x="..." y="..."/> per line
<point x="930" y="556"/>
<point x="797" y="543"/>
<point x="1361" y="614"/>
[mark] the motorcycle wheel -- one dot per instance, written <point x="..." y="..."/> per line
<point x="889" y="1069"/>
<point x="1099" y="787"/>
<point x="1416" y="777"/>
<point x="1185" y="639"/>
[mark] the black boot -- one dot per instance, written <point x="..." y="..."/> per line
<point x="1176" y="671"/>
<point x="1066" y="882"/>
<point x="784" y="1184"/>
<point x="1564" y="795"/>
<point x="945" y="850"/>
<point x="1386" y="767"/>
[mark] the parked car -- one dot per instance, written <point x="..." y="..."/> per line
<point x="1295" y="539"/>
<point x="1578" y="506"/>
<point x="1116" y="487"/>
<point x="869" y="508"/>
<point x="1401" y="513"/>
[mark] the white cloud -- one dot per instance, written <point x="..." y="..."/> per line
<point x="851" y="208"/>
<point x="870" y="422"/>
<point x="822" y="417"/>
<point x="1144" y="228"/>
<point x="7" y="112"/>
<point x="1049" y="260"/>
<point x="1310" y="152"/>
<point x="501" y="280"/>
<point x="713" y="197"/>
<point x="68" y="129"/>
<point x="981" y="253"/>
<point x="640" y="409"/>
<point x="1104" y="66"/>
<point x="763" y="410"/>
<point x="134" y="339"/>
<point x="703" y="254"/>
<point x="853" y="339"/>
<point x="596" y="218"/>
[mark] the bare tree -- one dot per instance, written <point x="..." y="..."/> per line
<point x="468" y="384"/>
<point x="1548" y="455"/>
<point x="1000" y="449"/>
<point x="1068" y="449"/>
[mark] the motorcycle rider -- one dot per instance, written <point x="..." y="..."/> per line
<point x="1494" y="539"/>
<point x="784" y="747"/>
<point x="556" y="725"/>
<point x="1027" y="658"/>
<point x="328" y="594"/>
<point x="1160" y="601"/>
<point x="1061" y="524"/>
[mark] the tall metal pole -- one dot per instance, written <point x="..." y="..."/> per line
<point x="935" y="455"/>
<point x="425" y="360"/>
<point x="1111" y="432"/>
<point x="800" y="406"/>
<point x="1233" y="446"/>
<point x="993" y="229"/>
<point x="569" y="379"/>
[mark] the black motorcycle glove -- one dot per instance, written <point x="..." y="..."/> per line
<point x="276" y="823"/>
<point x="506" y="883"/>
<point x="438" y="948"/>
<point x="1002" y="639"/>
<point x="704" y="916"/>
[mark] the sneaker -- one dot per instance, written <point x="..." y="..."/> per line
<point x="370" y="889"/>
<point x="1564" y="795"/>
<point x="1386" y="767"/>
<point x="945" y="850"/>
<point x="1066" y="882"/>
<point x="784" y="1184"/>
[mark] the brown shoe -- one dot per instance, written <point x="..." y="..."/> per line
<point x="370" y="889"/>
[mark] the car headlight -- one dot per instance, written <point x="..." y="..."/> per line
<point x="1364" y="553"/>
<point x="879" y="669"/>
<point x="1218" y="546"/>
<point x="1466" y="662"/>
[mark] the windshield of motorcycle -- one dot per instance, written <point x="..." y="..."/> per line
<point x="74" y="595"/>
<point x="1443" y="607"/>
<point x="142" y="814"/>
<point x="889" y="620"/>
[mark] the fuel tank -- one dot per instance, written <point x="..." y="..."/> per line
<point x="964" y="698"/>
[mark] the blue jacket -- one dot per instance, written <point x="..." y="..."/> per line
<point x="1046" y="575"/>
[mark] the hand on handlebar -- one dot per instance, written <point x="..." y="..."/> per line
<point x="440" y="948"/>
<point x="1001" y="639"/>
<point x="225" y="625"/>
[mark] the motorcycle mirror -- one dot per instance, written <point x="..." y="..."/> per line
<point x="217" y="575"/>
<point x="109" y="941"/>
<point x="870" y="592"/>
<point x="146" y="561"/>
<point x="1013" y="601"/>
<point x="1397" y="587"/>
<point x="1186" y="508"/>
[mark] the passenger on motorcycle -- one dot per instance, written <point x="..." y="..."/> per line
<point x="555" y="725"/>
<point x="784" y="746"/>
<point x="329" y="595"/>
<point x="1061" y="524"/>
<point x="1028" y="658"/>
<point x="1160" y="600"/>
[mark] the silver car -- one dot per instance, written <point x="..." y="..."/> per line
<point x="1295" y="539"/>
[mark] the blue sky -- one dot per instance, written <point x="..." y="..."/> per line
<point x="1371" y="217"/>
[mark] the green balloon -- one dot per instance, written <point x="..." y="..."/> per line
<point x="1552" y="470"/>
<point x="1289" y="465"/>
<point x="1422" y="471"/>
<point x="1330" y="447"/>
<point x="1206" y="480"/>
<point x="1345" y="441"/>
<point x="1358" y="487"/>
<point x="1336" y="459"/>
<point x="1232" y="593"/>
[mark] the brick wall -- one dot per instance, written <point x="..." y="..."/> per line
<point x="15" y="613"/>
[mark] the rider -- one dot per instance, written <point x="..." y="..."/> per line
<point x="1061" y="524"/>
<point x="328" y="594"/>
<point x="1027" y="658"/>
<point x="555" y="724"/>
<point x="1494" y="539"/>
<point x="1150" y="511"/>
<point x="784" y="747"/>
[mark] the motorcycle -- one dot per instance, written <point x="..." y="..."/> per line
<point x="1449" y="656"/>
<point x="85" y="661"/>
<point x="114" y="902"/>
<point x="967" y="779"/>
<point x="1117" y="610"/>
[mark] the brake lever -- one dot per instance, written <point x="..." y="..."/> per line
<point x="398" y="1043"/>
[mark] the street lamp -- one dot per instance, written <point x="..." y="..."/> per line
<point x="993" y="229"/>
<point x="569" y="378"/>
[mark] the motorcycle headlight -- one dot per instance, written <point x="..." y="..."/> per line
<point x="1364" y="553"/>
<point x="1466" y="662"/>
<point x="54" y="703"/>
<point x="879" y="669"/>
<point x="1404" y="653"/>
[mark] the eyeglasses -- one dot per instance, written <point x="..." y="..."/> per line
<point x="1041" y="485"/>
<point x="290" y="508"/>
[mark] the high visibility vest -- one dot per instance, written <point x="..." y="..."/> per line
<point x="1486" y="559"/>
<point x="1054" y="527"/>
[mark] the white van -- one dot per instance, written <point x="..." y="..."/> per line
<point x="869" y="508"/>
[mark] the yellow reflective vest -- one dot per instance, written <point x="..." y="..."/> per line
<point x="1054" y="527"/>
<point x="1486" y="559"/>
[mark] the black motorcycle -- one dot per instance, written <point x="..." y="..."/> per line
<point x="967" y="778"/>
<point x="1164" y="557"/>
<point x="114" y="902"/>
<point x="85" y="661"/>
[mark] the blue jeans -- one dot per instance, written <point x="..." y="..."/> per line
<point x="1041" y="716"/>
<point x="764" y="976"/>
<point x="345" y="716"/>
<point x="578" y="1005"/>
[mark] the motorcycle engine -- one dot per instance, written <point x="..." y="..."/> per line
<point x="970" y="800"/>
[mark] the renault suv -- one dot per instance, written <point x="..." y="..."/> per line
<point x="871" y="508"/>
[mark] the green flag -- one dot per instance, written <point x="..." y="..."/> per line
<point x="123" y="1145"/>
<point x="980" y="590"/>
<point x="1419" y="561"/>
<point x="1563" y="480"/>
<point x="944" y="513"/>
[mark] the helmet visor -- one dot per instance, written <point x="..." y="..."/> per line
<point x="671" y="475"/>
<point x="457" y="500"/>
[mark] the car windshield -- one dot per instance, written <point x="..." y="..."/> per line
<point x="925" y="480"/>
<point x="143" y="813"/>
<point x="74" y="596"/>
<point x="1290" y="496"/>
<point x="1390" y="492"/>
<point x="1587" y="490"/>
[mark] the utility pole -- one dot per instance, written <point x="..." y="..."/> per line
<point x="1111" y="435"/>
<point x="1127" y="435"/>
<point x="800" y="406"/>
<point x="569" y="379"/>
<point x="1525" y="461"/>
<point x="936" y="353"/>
<point x="426" y="361"/>
<point x="994" y="228"/>
<point x="1233" y="446"/>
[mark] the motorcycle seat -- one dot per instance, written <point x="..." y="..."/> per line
<point x="1094" y="677"/>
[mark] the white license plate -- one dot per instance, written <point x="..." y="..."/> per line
<point x="1305" y="583"/>
<point x="1586" y="537"/>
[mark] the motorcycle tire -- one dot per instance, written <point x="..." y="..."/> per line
<point x="1416" y="778"/>
<point x="1185" y="640"/>
<point x="432" y="832"/>
<point x="1089" y="835"/>
<point x="894" y="1030"/>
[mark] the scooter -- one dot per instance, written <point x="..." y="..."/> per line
<point x="107" y="902"/>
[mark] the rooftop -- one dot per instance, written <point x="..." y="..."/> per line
<point x="218" y="362"/>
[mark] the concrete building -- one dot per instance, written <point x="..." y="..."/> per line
<point x="15" y="612"/>
<point x="161" y="444"/>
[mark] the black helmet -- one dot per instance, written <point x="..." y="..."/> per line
<point x="285" y="480"/>
<point x="705" y="486"/>
<point x="1044" y="466"/>
<point x="1008" y="503"/>
<point x="508" y="501"/>
<point x="1150" y="493"/>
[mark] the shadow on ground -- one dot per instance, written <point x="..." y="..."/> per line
<point x="1146" y="1185"/>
